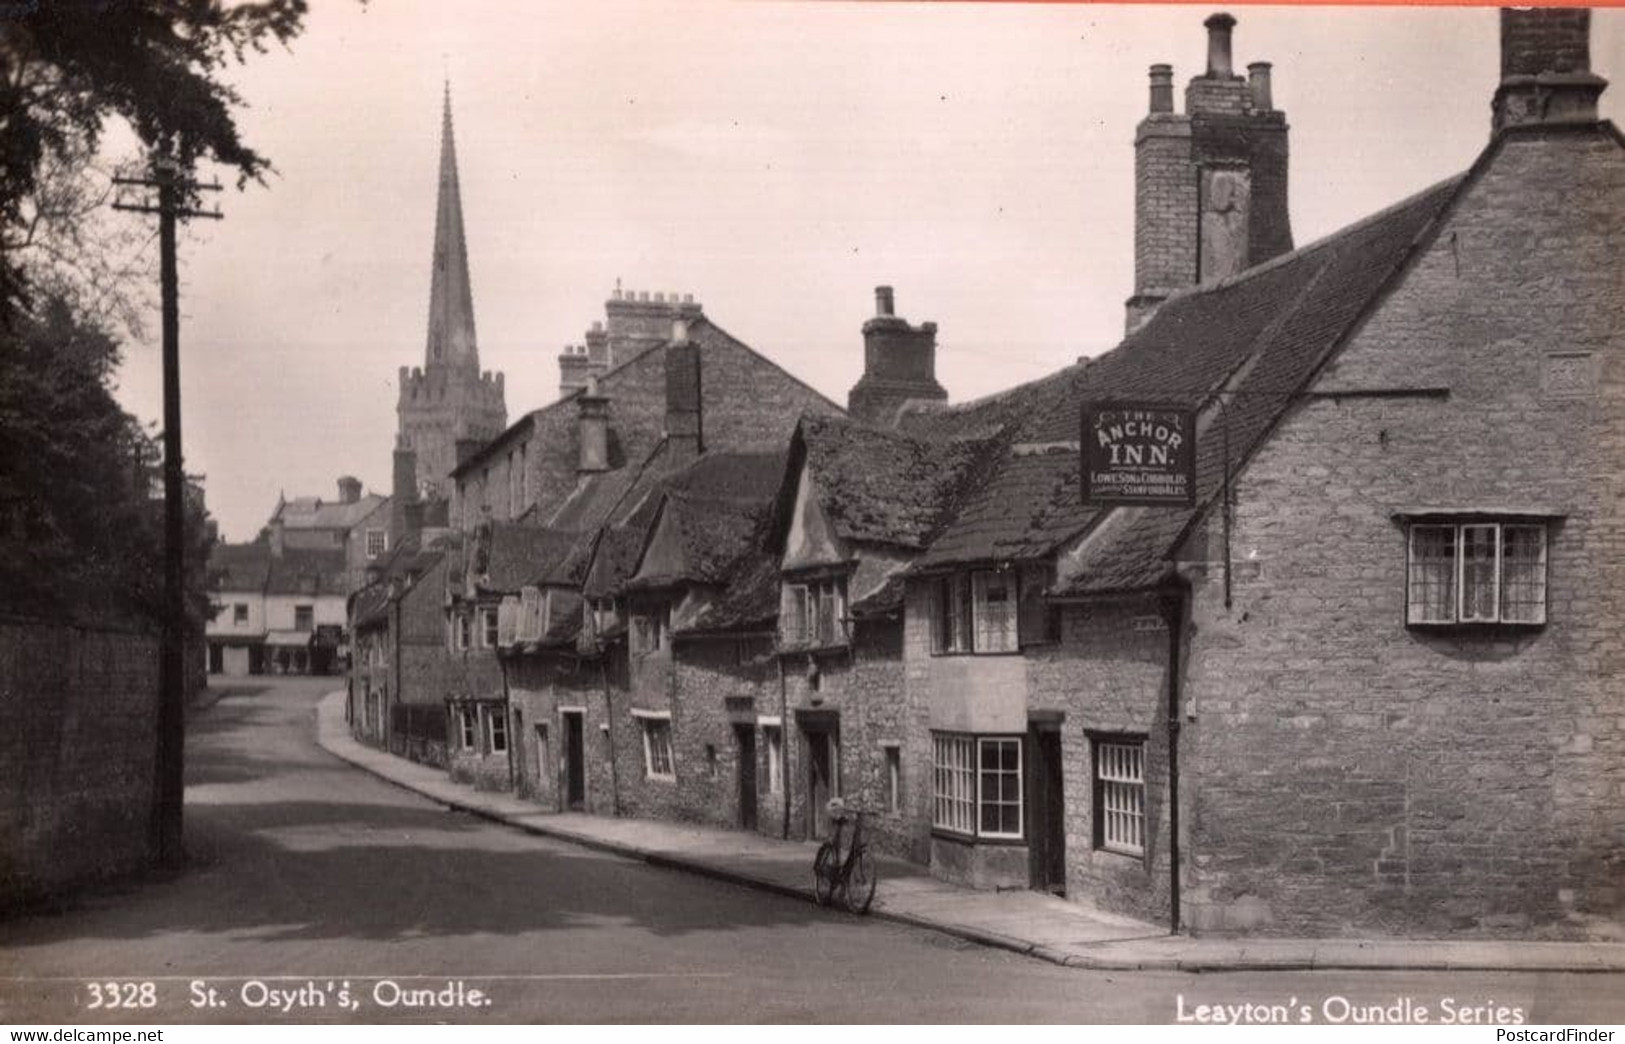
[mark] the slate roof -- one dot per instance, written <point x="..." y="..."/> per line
<point x="239" y="567"/>
<point x="879" y="485"/>
<point x="616" y="555"/>
<point x="750" y="601"/>
<point x="307" y="572"/>
<point x="713" y="534"/>
<point x="315" y="513"/>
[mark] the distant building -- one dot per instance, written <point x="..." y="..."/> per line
<point x="276" y="613"/>
<point x="448" y="403"/>
<point x="356" y="523"/>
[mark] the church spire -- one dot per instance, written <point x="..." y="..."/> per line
<point x="451" y="301"/>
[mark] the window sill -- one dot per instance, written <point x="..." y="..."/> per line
<point x="1119" y="855"/>
<point x="942" y="834"/>
<point x="974" y="652"/>
<point x="1475" y="627"/>
<point x="652" y="778"/>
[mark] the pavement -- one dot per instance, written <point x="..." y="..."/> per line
<point x="1041" y="926"/>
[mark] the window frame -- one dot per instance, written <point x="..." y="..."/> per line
<point x="1466" y="578"/>
<point x="489" y="631"/>
<point x="467" y="727"/>
<point x="1102" y="786"/>
<point x="239" y="614"/>
<point x="653" y="726"/>
<point x="309" y="613"/>
<point x="773" y="744"/>
<point x="961" y="624"/>
<point x="958" y="801"/>
<point x="817" y="611"/>
<point x="650" y="629"/>
<point x="496" y="729"/>
<point x="382" y="542"/>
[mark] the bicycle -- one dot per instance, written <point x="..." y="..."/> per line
<point x="852" y="877"/>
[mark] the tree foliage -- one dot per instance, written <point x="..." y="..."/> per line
<point x="69" y="67"/>
<point x="81" y="521"/>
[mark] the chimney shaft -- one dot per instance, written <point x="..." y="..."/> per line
<point x="1162" y="88"/>
<point x="1258" y="81"/>
<point x="1218" y="44"/>
<point x="1546" y="72"/>
<point x="884" y="301"/>
<point x="899" y="364"/>
<point x="592" y="419"/>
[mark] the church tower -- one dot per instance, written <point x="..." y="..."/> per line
<point x="448" y="400"/>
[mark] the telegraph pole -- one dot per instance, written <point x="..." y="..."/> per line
<point x="174" y="194"/>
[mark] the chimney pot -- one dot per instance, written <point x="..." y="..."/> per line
<point x="1162" y="88"/>
<point x="884" y="301"/>
<point x="1258" y="82"/>
<point x="1218" y="44"/>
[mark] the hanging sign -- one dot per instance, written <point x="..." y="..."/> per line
<point x="1136" y="453"/>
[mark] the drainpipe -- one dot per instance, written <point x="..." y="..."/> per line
<point x="1172" y="598"/>
<point x="507" y="712"/>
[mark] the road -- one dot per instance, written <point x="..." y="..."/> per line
<point x="313" y="883"/>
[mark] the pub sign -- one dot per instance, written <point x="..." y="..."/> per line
<point x="1138" y="453"/>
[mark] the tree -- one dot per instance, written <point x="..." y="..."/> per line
<point x="68" y="67"/>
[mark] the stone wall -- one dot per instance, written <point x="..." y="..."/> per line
<point x="1357" y="774"/>
<point x="77" y="756"/>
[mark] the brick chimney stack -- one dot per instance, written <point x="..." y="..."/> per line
<point x="899" y="364"/>
<point x="349" y="489"/>
<point x="405" y="513"/>
<point x="1210" y="184"/>
<point x="1546" y="75"/>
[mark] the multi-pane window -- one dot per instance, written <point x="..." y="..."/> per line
<point x="496" y="729"/>
<point x="975" y="612"/>
<point x="814" y="613"/>
<point x="462" y="630"/>
<point x="304" y="618"/>
<point x="1000" y="787"/>
<point x="954" y="783"/>
<point x="490" y="629"/>
<point x="239" y="614"/>
<point x="1120" y="795"/>
<point x="657" y="758"/>
<point x="467" y="725"/>
<point x="1476" y="572"/>
<point x="976" y="784"/>
<point x="377" y="542"/>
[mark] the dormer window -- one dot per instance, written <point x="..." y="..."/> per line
<point x="814" y="613"/>
<point x="650" y="629"/>
<point x="1476" y="572"/>
<point x="974" y="612"/>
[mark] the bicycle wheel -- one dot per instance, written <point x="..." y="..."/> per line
<point x="860" y="883"/>
<point x="825" y="869"/>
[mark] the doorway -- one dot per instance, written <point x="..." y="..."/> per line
<point x="1046" y="808"/>
<point x="575" y="762"/>
<point x="745" y="741"/>
<point x="823" y="742"/>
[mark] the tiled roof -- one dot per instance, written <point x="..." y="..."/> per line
<point x="883" y="486"/>
<point x="517" y="554"/>
<point x="239" y="567"/>
<point x="750" y="601"/>
<point x="315" y="513"/>
<point x="1267" y="331"/>
<point x="307" y="572"/>
<point x="614" y="559"/>
<point x="712" y="533"/>
<point x="370" y="604"/>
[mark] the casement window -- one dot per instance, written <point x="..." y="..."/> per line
<point x="603" y="615"/>
<point x="649" y="629"/>
<point x="1476" y="572"/>
<point x="377" y="542"/>
<point x="304" y="618"/>
<point x="814" y="613"/>
<point x="239" y="614"/>
<point x="532" y="615"/>
<point x="496" y="730"/>
<point x="1119" y="794"/>
<point x="468" y="727"/>
<point x="974" y="612"/>
<point x="462" y="631"/>
<point x="490" y="627"/>
<point x="894" y="777"/>
<point x="773" y="741"/>
<point x="657" y="756"/>
<point x="976" y="783"/>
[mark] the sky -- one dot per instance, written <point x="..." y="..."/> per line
<point x="777" y="160"/>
